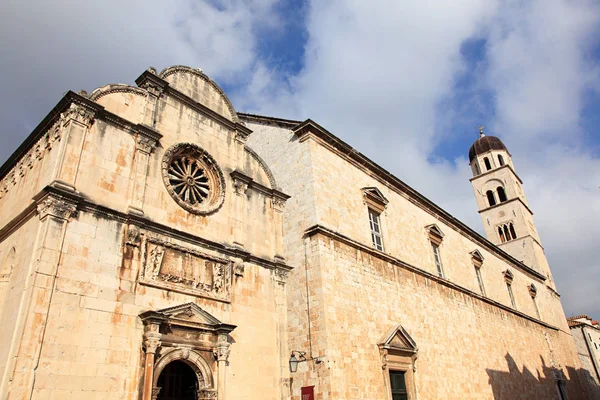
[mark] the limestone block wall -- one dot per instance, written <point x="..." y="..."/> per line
<point x="468" y="349"/>
<point x="293" y="167"/>
<point x="16" y="253"/>
<point x="344" y="296"/>
<point x="342" y="209"/>
<point x="588" y="352"/>
<point x="109" y="163"/>
<point x="92" y="342"/>
<point x="33" y="171"/>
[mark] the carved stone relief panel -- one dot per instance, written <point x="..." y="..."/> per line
<point x="174" y="267"/>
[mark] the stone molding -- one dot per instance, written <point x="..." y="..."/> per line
<point x="100" y="92"/>
<point x="197" y="72"/>
<point x="212" y="275"/>
<point x="56" y="206"/>
<point x="264" y="166"/>
<point x="320" y="230"/>
<point x="245" y="182"/>
<point x="310" y="129"/>
<point x="147" y="138"/>
<point x="150" y="226"/>
<point x="216" y="198"/>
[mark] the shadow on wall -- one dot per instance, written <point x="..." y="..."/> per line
<point x="547" y="384"/>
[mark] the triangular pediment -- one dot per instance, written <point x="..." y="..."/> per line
<point x="434" y="230"/>
<point x="374" y="194"/>
<point x="190" y="312"/>
<point x="189" y="315"/>
<point x="477" y="255"/>
<point x="397" y="339"/>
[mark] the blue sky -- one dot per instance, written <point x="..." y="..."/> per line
<point x="406" y="83"/>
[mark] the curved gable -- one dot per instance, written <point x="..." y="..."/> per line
<point x="199" y="87"/>
<point x="123" y="100"/>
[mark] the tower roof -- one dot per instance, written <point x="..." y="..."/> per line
<point x="485" y="144"/>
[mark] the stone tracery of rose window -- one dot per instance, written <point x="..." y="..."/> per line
<point x="187" y="178"/>
<point x="193" y="178"/>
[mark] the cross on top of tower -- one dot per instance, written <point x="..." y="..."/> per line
<point x="481" y="131"/>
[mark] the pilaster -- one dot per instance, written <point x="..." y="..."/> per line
<point x="24" y="349"/>
<point x="75" y="123"/>
<point x="146" y="140"/>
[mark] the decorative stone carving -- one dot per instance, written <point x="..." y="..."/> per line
<point x="280" y="275"/>
<point x="80" y="114"/>
<point x="193" y="179"/>
<point x="56" y="206"/>
<point x="133" y="235"/>
<point x="222" y="352"/>
<point x="240" y="187"/>
<point x="152" y="342"/>
<point x="207" y="394"/>
<point x="145" y="143"/>
<point x="155" y="392"/>
<point x="238" y="269"/>
<point x="278" y="204"/>
<point x="174" y="267"/>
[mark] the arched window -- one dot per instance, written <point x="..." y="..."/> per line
<point x="501" y="194"/>
<point x="501" y="234"/>
<point x="490" y="197"/>
<point x="486" y="161"/>
<point x="512" y="231"/>
<point x="476" y="170"/>
<point x="507" y="233"/>
<point x="500" y="159"/>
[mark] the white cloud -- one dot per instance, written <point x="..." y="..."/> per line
<point x="375" y="74"/>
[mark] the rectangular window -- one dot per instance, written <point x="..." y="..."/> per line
<point x="398" y="385"/>
<point x="437" y="258"/>
<point x="512" y="297"/>
<point x="375" y="230"/>
<point x="480" y="280"/>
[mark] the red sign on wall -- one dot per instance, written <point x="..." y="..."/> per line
<point x="308" y="393"/>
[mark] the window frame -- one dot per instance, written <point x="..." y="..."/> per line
<point x="375" y="227"/>
<point x="437" y="258"/>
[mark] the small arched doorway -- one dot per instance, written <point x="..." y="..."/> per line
<point x="177" y="381"/>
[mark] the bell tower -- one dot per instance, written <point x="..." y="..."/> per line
<point x="506" y="216"/>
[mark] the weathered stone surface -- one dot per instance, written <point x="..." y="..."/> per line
<point x="106" y="277"/>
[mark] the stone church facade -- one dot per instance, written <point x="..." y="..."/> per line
<point x="157" y="244"/>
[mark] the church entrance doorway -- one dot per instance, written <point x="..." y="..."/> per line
<point x="178" y="381"/>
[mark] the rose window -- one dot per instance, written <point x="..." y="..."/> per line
<point x="187" y="179"/>
<point x="193" y="179"/>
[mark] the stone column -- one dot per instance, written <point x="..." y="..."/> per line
<point x="151" y="344"/>
<point x="75" y="123"/>
<point x="222" y="352"/>
<point x="146" y="141"/>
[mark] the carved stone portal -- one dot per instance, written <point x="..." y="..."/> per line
<point x="174" y="267"/>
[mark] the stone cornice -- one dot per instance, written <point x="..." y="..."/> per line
<point x="85" y="205"/>
<point x="310" y="128"/>
<point x="495" y="170"/>
<point x="148" y="78"/>
<point x="321" y="230"/>
<point x="49" y="120"/>
<point x="252" y="184"/>
<point x="506" y="202"/>
<point x="281" y="122"/>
